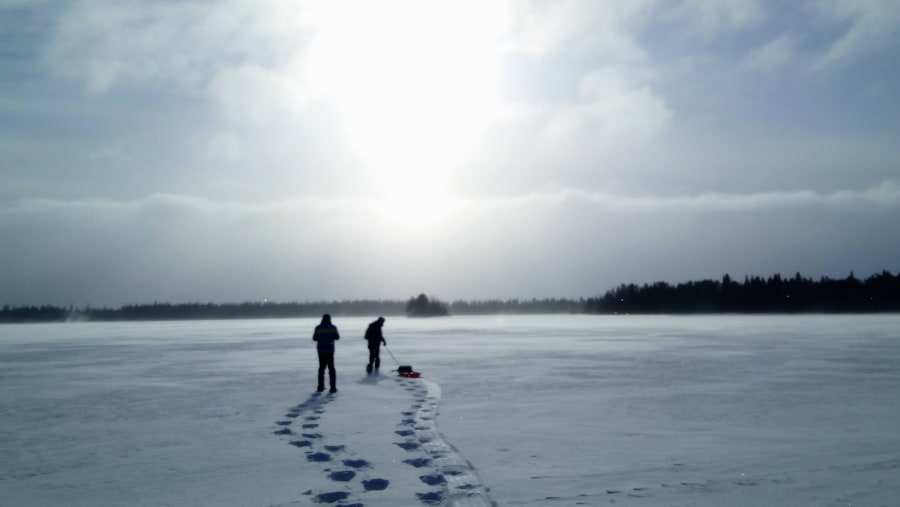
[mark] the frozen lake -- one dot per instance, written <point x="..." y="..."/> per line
<point x="542" y="410"/>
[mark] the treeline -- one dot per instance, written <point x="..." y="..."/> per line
<point x="422" y="306"/>
<point x="419" y="306"/>
<point x="200" y="311"/>
<point x="45" y="313"/>
<point x="516" y="306"/>
<point x="877" y="293"/>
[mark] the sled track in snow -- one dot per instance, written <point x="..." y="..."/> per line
<point x="462" y="486"/>
<point x="449" y="480"/>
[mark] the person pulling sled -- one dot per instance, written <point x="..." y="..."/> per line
<point x="375" y="338"/>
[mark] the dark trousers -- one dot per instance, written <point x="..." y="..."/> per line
<point x="374" y="359"/>
<point x="326" y="360"/>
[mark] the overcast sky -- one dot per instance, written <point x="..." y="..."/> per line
<point x="240" y="150"/>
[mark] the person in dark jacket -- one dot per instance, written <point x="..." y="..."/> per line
<point x="375" y="339"/>
<point x="325" y="335"/>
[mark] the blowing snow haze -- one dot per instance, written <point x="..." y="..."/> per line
<point x="236" y="150"/>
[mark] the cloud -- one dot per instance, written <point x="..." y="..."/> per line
<point x="611" y="110"/>
<point x="13" y="4"/>
<point x="872" y="25"/>
<point x="775" y="55"/>
<point x="110" y="43"/>
<point x="254" y="94"/>
<point x="356" y="215"/>
<point x="580" y="27"/>
<point x="187" y="248"/>
<point x="884" y="195"/>
<point x="592" y="84"/>
<point x="224" y="147"/>
<point x="257" y="63"/>
<point x="707" y="18"/>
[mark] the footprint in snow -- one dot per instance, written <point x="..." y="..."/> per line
<point x="356" y="463"/>
<point x="418" y="462"/>
<point x="333" y="497"/>
<point x="316" y="445"/>
<point x="376" y="484"/>
<point x="318" y="457"/>
<point x="342" y="476"/>
<point x="431" y="498"/>
<point x="433" y="480"/>
<point x="455" y="479"/>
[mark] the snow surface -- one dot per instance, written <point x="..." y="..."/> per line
<point x="514" y="410"/>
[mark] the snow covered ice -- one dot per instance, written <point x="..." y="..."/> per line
<point x="514" y="410"/>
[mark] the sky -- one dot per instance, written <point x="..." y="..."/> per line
<point x="283" y="150"/>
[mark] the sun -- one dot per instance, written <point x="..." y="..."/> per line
<point x="415" y="84"/>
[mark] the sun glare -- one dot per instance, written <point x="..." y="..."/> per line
<point x="415" y="83"/>
<point x="410" y="213"/>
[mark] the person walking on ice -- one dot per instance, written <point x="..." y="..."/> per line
<point x="325" y="335"/>
<point x="375" y="338"/>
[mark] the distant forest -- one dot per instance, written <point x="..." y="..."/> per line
<point x="420" y="306"/>
<point x="877" y="293"/>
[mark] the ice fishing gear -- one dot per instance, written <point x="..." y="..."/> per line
<point x="403" y="370"/>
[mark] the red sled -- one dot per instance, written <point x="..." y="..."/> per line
<point x="407" y="371"/>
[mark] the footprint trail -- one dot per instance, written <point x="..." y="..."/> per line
<point x="340" y="471"/>
<point x="444" y="477"/>
<point x="453" y="479"/>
